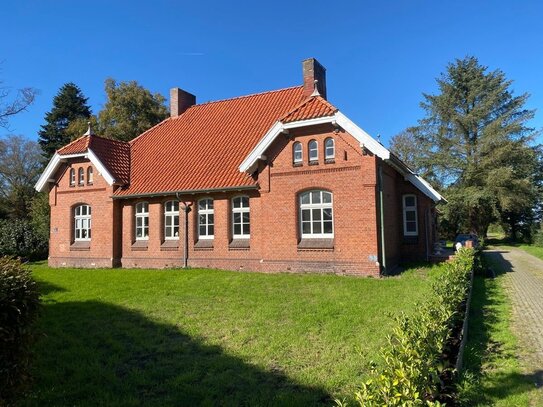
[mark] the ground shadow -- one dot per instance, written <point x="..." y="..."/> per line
<point x="481" y="349"/>
<point x="93" y="353"/>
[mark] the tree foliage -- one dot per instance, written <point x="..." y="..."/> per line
<point x="476" y="144"/>
<point x="20" y="167"/>
<point x="68" y="105"/>
<point x="130" y="110"/>
<point x="10" y="106"/>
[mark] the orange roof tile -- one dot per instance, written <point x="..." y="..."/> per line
<point x="114" y="154"/>
<point x="203" y="148"/>
<point x="312" y="108"/>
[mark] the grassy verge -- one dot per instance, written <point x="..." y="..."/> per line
<point x="208" y="337"/>
<point x="492" y="373"/>
<point x="533" y="250"/>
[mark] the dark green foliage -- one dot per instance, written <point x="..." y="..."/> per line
<point x="19" y="238"/>
<point x="130" y="110"/>
<point x="40" y="216"/>
<point x="19" y="305"/>
<point x="475" y="143"/>
<point x="413" y="358"/>
<point x="68" y="105"/>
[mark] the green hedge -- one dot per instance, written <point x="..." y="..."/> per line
<point x="415" y="356"/>
<point x="19" y="305"/>
<point x="19" y="238"/>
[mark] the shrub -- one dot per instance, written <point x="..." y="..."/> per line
<point x="19" y="238"/>
<point x="19" y="305"/>
<point x="417" y="352"/>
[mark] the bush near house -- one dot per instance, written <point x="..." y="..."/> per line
<point x="421" y="347"/>
<point x="19" y="305"/>
<point x="19" y="238"/>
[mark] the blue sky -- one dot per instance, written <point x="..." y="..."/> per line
<point x="380" y="55"/>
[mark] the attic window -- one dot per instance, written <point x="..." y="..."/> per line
<point x="89" y="176"/>
<point x="410" y="221"/>
<point x="72" y="177"/>
<point x="297" y="155"/>
<point x="329" y="149"/>
<point x="313" y="151"/>
<point x="81" y="172"/>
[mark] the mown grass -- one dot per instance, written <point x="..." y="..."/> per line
<point x="492" y="374"/>
<point x="533" y="250"/>
<point x="208" y="337"/>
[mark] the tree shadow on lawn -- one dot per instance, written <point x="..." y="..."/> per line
<point x="94" y="353"/>
<point x="482" y="351"/>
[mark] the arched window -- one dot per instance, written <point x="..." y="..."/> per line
<point x="81" y="177"/>
<point x="313" y="151"/>
<point x="241" y="218"/>
<point x="72" y="177"/>
<point x="410" y="221"/>
<point x="171" y="220"/>
<point x="82" y="223"/>
<point x="316" y="214"/>
<point x="89" y="176"/>
<point x="206" y="219"/>
<point x="329" y="149"/>
<point x="297" y="155"/>
<point x="142" y="221"/>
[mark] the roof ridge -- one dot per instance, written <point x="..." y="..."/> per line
<point x="109" y="139"/>
<point x="73" y="142"/>
<point x="245" y="96"/>
<point x="305" y="102"/>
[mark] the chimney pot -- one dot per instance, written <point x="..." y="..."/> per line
<point x="180" y="101"/>
<point x="314" y="71"/>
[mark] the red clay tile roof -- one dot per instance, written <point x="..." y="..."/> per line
<point x="202" y="148"/>
<point x="312" y="108"/>
<point x="114" y="154"/>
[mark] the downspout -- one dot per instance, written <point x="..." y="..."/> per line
<point x="427" y="222"/>
<point x="382" y="218"/>
<point x="186" y="209"/>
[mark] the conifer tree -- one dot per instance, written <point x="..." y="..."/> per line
<point x="68" y="105"/>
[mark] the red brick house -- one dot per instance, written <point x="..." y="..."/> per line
<point x="275" y="181"/>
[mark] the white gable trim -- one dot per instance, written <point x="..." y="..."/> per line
<point x="250" y="162"/>
<point x="57" y="159"/>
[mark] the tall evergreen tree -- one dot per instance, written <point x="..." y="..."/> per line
<point x="130" y="110"/>
<point x="476" y="142"/>
<point x="68" y="105"/>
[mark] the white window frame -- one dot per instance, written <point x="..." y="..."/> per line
<point x="90" y="175"/>
<point x="81" y="176"/>
<point x="173" y="214"/>
<point x="326" y="147"/>
<point x="316" y="149"/>
<point x="318" y="206"/>
<point x="82" y="223"/>
<point x="241" y="210"/>
<point x="295" y="146"/>
<point x="410" y="209"/>
<point x="207" y="212"/>
<point x="141" y="211"/>
<point x="72" y="176"/>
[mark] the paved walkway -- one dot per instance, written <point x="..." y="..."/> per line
<point x="525" y="283"/>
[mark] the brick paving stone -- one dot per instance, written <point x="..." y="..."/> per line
<point x="524" y="280"/>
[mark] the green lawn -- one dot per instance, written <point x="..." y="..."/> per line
<point x="208" y="337"/>
<point x="533" y="250"/>
<point x="493" y="375"/>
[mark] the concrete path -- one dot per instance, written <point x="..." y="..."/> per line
<point x="524" y="277"/>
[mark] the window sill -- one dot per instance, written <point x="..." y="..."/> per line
<point x="170" y="245"/>
<point x="320" y="244"/>
<point x="239" y="244"/>
<point x="140" y="245"/>
<point x="314" y="162"/>
<point x="80" y="246"/>
<point x="204" y="244"/>
<point x="297" y="164"/>
<point x="330" y="161"/>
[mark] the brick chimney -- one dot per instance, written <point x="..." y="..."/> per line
<point x="313" y="70"/>
<point x="180" y="101"/>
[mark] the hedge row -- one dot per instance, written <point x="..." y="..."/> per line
<point x="421" y="348"/>
<point x="19" y="238"/>
<point x="19" y="305"/>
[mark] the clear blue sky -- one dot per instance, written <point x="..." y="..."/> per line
<point x="380" y="55"/>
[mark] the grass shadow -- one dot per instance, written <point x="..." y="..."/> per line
<point x="95" y="353"/>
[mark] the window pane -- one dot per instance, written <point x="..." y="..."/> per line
<point x="306" y="227"/>
<point x="210" y="218"/>
<point x="237" y="217"/>
<point x="176" y="220"/>
<point x="327" y="227"/>
<point x="209" y="203"/>
<point x="175" y="206"/>
<point x="411" y="226"/>
<point x="410" y="216"/>
<point x="246" y="217"/>
<point x="237" y="229"/>
<point x="139" y="222"/>
<point x="316" y="214"/>
<point x="304" y="199"/>
<point x="315" y="197"/>
<point x="245" y="202"/>
<point x="306" y="215"/>
<point x="409" y="201"/>
<point x="327" y="214"/>
<point x="202" y="230"/>
<point x="236" y="202"/>
<point x="211" y="230"/>
<point x="176" y="231"/>
<point x="316" y="227"/>
<point x="202" y="219"/>
<point x="89" y="210"/>
<point x="168" y="220"/>
<point x="246" y="229"/>
<point x="168" y="232"/>
<point x="326" y="197"/>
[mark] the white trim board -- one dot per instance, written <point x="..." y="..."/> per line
<point x="366" y="141"/>
<point x="57" y="159"/>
